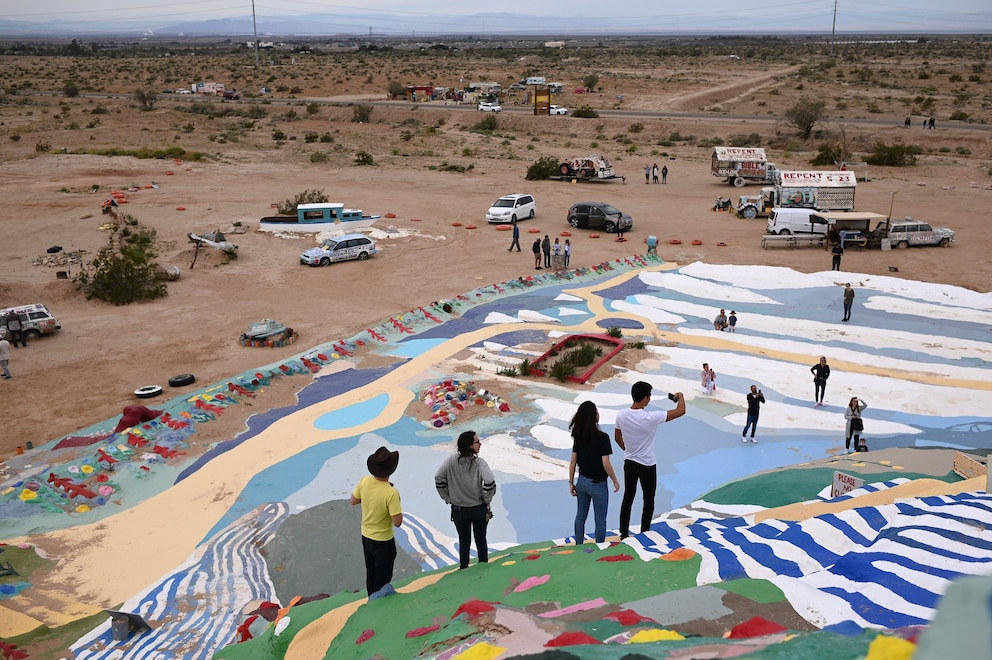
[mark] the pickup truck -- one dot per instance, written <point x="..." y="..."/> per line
<point x="233" y="95"/>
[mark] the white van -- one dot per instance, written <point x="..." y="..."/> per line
<point x="785" y="221"/>
<point x="36" y="320"/>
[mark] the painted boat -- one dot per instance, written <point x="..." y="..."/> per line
<point x="266" y="329"/>
<point x="329" y="216"/>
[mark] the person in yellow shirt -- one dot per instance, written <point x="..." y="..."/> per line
<point x="381" y="512"/>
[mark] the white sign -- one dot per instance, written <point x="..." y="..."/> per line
<point x="535" y="80"/>
<point x="844" y="483"/>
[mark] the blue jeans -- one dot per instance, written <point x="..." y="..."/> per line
<point x="598" y="494"/>
<point x="752" y="422"/>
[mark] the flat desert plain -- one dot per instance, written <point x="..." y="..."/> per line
<point x="240" y="158"/>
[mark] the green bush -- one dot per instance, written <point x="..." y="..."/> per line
<point x="895" y="155"/>
<point x="288" y="207"/>
<point x="488" y="124"/>
<point x="319" y="157"/>
<point x="544" y="168"/>
<point x="959" y="115"/>
<point x="614" y="331"/>
<point x="636" y="127"/>
<point x="740" y="140"/>
<point x="364" y="158"/>
<point x="124" y="274"/>
<point x="827" y="154"/>
<point x="585" y="112"/>
<point x="361" y="113"/>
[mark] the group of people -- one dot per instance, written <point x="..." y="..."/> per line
<point x="547" y="248"/>
<point x="14" y="323"/>
<point x="854" y="427"/>
<point x="723" y="322"/>
<point x="651" y="173"/>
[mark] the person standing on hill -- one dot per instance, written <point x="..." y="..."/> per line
<point x="647" y="174"/>
<point x="634" y="434"/>
<point x="536" y="247"/>
<point x="821" y="372"/>
<point x="591" y="455"/>
<point x="546" y="248"/>
<point x="664" y="173"/>
<point x="855" y="425"/>
<point x="566" y="251"/>
<point x="516" y="236"/>
<point x="381" y="512"/>
<point x="848" y="302"/>
<point x="838" y="252"/>
<point x="654" y="173"/>
<point x="15" y="326"/>
<point x="754" y="400"/>
<point x="466" y="483"/>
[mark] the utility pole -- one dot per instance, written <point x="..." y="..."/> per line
<point x="254" y="27"/>
<point x="833" y="30"/>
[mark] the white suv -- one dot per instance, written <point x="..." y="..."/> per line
<point x="490" y="107"/>
<point x="511" y="207"/>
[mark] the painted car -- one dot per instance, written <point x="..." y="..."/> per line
<point x="904" y="233"/>
<point x="339" y="248"/>
<point x="511" y="207"/>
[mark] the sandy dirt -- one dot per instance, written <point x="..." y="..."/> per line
<point x="88" y="371"/>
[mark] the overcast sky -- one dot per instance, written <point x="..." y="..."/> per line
<point x="713" y="16"/>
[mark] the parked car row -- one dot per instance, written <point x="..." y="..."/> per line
<point x="583" y="215"/>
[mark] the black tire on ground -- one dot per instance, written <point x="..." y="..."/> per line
<point x="362" y="256"/>
<point x="565" y="169"/>
<point x="944" y="242"/>
<point x="785" y="232"/>
<point x="325" y="261"/>
<point x="182" y="380"/>
<point x="513" y="218"/>
<point x="574" y="221"/>
<point x="32" y="334"/>
<point x="902" y="245"/>
<point x="739" y="182"/>
<point x="531" y="214"/>
<point x="750" y="213"/>
<point x="610" y="227"/>
<point x="148" y="391"/>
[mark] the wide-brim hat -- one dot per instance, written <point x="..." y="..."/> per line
<point x="383" y="462"/>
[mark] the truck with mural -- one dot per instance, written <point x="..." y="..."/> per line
<point x="588" y="168"/>
<point x="826" y="191"/>
<point x="740" y="165"/>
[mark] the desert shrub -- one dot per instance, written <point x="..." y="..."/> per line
<point x="364" y="158"/>
<point x="288" y="206"/>
<point x="15" y="137"/>
<point x="124" y="272"/>
<point x="585" y="112"/>
<point x="636" y="127"/>
<point x="296" y="89"/>
<point x="740" y="140"/>
<point x="452" y="167"/>
<point x="70" y="89"/>
<point x="99" y="110"/>
<point x="489" y="123"/>
<point x="955" y="77"/>
<point x="507" y="371"/>
<point x="42" y="146"/>
<point x="544" y="167"/>
<point x="319" y="157"/>
<point x="959" y="115"/>
<point x="827" y="154"/>
<point x="310" y="136"/>
<point x="614" y="331"/>
<point x="590" y="81"/>
<point x="804" y="115"/>
<point x="525" y="367"/>
<point x="406" y="136"/>
<point x="963" y="151"/>
<point x="361" y="113"/>
<point x="147" y="98"/>
<point x="580" y="355"/>
<point x="278" y="135"/>
<point x="313" y="108"/>
<point x="893" y="155"/>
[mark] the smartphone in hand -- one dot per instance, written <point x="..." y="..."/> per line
<point x="673" y="397"/>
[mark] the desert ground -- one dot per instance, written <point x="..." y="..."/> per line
<point x="57" y="169"/>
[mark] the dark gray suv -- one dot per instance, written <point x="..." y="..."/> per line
<point x="599" y="215"/>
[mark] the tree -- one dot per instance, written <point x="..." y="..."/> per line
<point x="147" y="98"/>
<point x="804" y="115"/>
<point x="126" y="271"/>
<point x="589" y="82"/>
<point x="70" y="89"/>
<point x="361" y="113"/>
<point x="395" y="89"/>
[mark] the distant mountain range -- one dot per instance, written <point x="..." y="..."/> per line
<point x="393" y="26"/>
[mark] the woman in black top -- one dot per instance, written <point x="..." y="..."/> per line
<point x="591" y="454"/>
<point x="821" y="372"/>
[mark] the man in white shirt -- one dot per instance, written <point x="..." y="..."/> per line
<point x="634" y="434"/>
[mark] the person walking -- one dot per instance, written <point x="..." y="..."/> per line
<point x="664" y="173"/>
<point x="707" y="378"/>
<point x="591" y="451"/>
<point x="381" y="512"/>
<point x="15" y="326"/>
<point x="838" y="252"/>
<point x="647" y="174"/>
<point x="634" y="434"/>
<point x="855" y="425"/>
<point x="754" y="400"/>
<point x="848" y="302"/>
<point x="566" y="251"/>
<point x="821" y="372"/>
<point x="465" y="482"/>
<point x="516" y="236"/>
<point x="536" y="247"/>
<point x="5" y="355"/>
<point x="654" y="173"/>
<point x="546" y="248"/>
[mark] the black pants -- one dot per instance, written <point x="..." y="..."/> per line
<point x="16" y="335"/>
<point x="471" y="521"/>
<point x="647" y="476"/>
<point x="547" y="259"/>
<point x="836" y="264"/>
<point x="379" y="559"/>
<point x="819" y="389"/>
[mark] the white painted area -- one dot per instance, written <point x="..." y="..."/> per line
<point x="535" y="317"/>
<point x="499" y="317"/>
<point x="571" y="311"/>
<point x="704" y="289"/>
<point x="928" y="310"/>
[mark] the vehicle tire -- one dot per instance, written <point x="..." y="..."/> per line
<point x="531" y="214"/>
<point x="610" y="228"/>
<point x="182" y="380"/>
<point x="325" y="261"/>
<point x="943" y="242"/>
<point x="362" y="256"/>
<point x="574" y="221"/>
<point x="513" y="218"/>
<point x="902" y="245"/>
<point x="32" y="334"/>
<point x="565" y="169"/>
<point x="148" y="391"/>
<point x="739" y="182"/>
<point x="785" y="232"/>
<point x="750" y="213"/>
